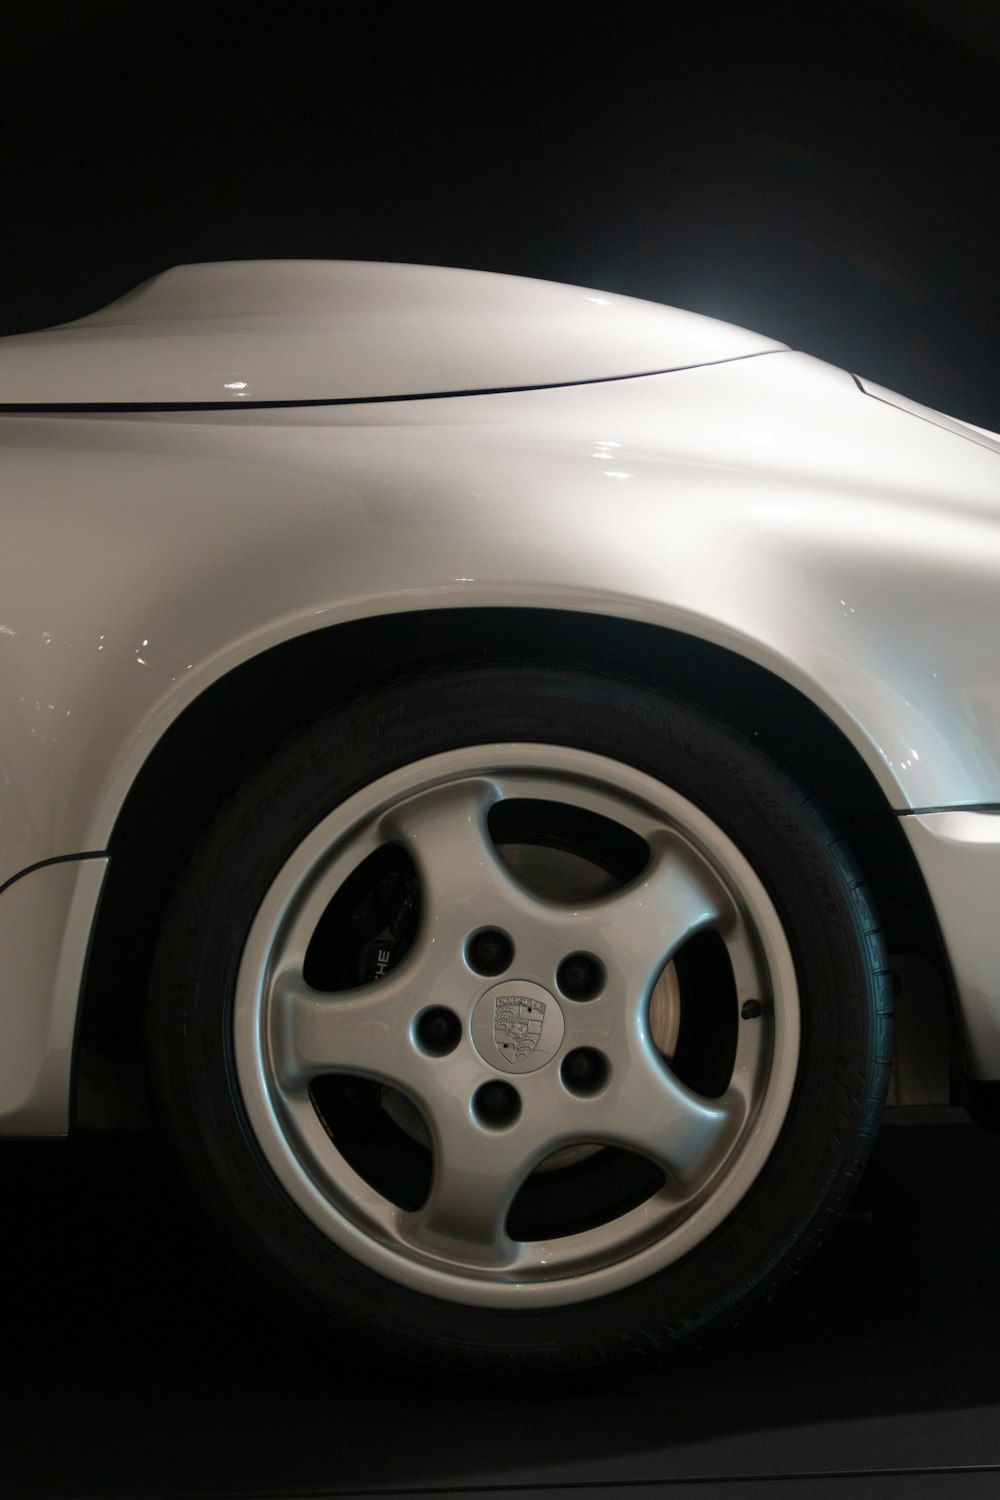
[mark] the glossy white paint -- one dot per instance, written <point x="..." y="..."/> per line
<point x="46" y="919"/>
<point x="959" y="854"/>
<point x="762" y="503"/>
<point x="928" y="414"/>
<point x="304" y="330"/>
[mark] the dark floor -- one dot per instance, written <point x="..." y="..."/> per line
<point x="132" y="1367"/>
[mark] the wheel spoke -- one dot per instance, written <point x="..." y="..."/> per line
<point x="363" y="1031"/>
<point x="477" y="1172"/>
<point x="445" y="832"/>
<point x="649" y="1110"/>
<point x="645" y="924"/>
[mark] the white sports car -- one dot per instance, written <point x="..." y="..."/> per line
<point x="469" y="746"/>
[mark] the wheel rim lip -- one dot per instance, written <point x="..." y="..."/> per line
<point x="344" y="1223"/>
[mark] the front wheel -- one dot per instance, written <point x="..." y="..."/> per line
<point x="522" y="1019"/>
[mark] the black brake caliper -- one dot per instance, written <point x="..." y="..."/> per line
<point x="368" y="926"/>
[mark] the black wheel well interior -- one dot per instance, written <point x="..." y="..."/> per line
<point x="203" y="757"/>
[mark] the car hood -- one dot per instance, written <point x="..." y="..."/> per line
<point x="295" y="331"/>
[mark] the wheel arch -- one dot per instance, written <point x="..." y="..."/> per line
<point x="204" y="755"/>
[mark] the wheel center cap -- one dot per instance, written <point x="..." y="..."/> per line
<point x="517" y="1026"/>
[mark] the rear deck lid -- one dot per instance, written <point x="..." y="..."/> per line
<point x="301" y="330"/>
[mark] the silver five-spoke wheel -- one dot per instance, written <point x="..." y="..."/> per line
<point x="562" y="1050"/>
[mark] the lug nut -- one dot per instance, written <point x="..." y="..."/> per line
<point x="585" y="1071"/>
<point x="489" y="951"/>
<point x="439" y="1031"/>
<point x="580" y="976"/>
<point x="496" y="1104"/>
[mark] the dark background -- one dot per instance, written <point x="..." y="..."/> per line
<point x="825" y="174"/>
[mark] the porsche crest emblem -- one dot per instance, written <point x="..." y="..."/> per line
<point x="517" y="1025"/>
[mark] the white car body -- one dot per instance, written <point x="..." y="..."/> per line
<point x="235" y="457"/>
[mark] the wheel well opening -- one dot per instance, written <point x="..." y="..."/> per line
<point x="204" y="756"/>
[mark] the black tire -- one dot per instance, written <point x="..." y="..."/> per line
<point x="768" y="1213"/>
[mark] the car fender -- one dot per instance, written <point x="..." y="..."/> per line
<point x="763" y="504"/>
